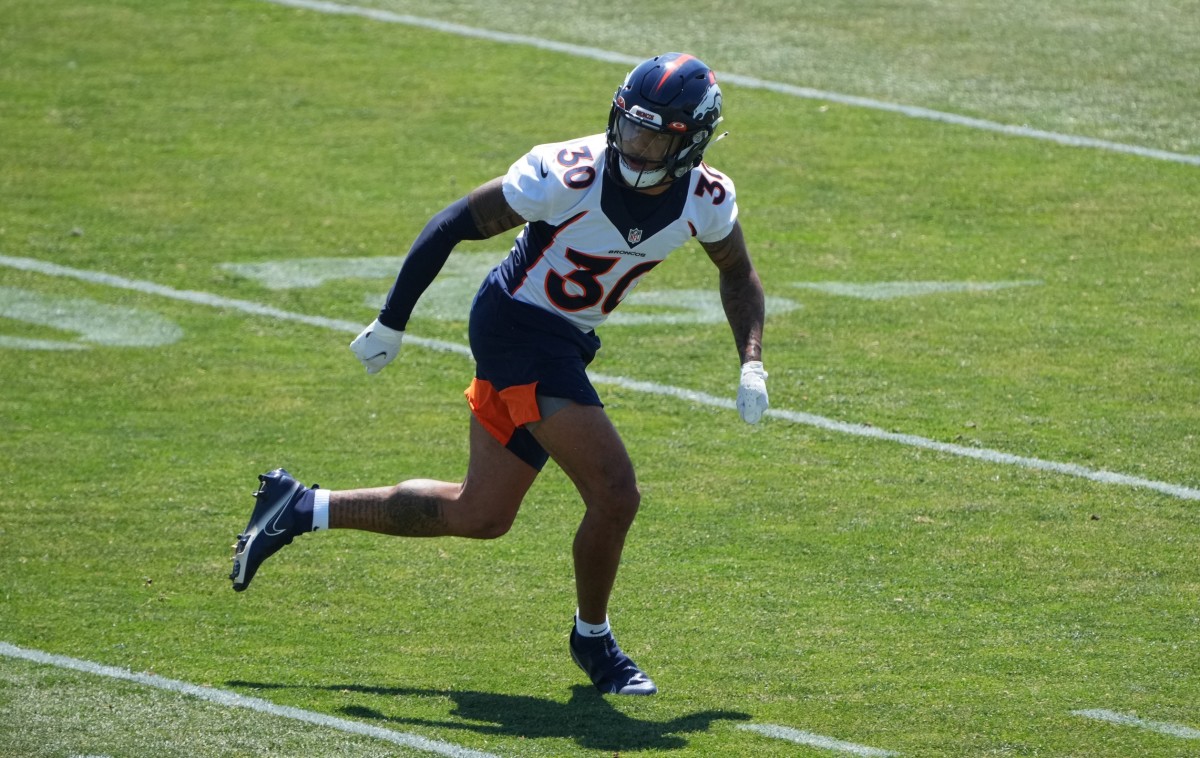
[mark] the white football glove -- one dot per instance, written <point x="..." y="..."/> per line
<point x="752" y="392"/>
<point x="376" y="346"/>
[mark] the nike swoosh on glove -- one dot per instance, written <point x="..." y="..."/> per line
<point x="376" y="346"/>
<point x="752" y="392"/>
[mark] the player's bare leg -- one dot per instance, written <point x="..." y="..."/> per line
<point x="584" y="443"/>
<point x="482" y="506"/>
<point x="586" y="446"/>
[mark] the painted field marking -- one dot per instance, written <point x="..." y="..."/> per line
<point x="1173" y="730"/>
<point x="95" y="323"/>
<point x="911" y="440"/>
<point x="691" y="396"/>
<point x="815" y="740"/>
<point x="808" y="93"/>
<point x="235" y="700"/>
<point x="451" y="292"/>
<point x="893" y="290"/>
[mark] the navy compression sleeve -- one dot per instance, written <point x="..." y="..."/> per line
<point x="425" y="259"/>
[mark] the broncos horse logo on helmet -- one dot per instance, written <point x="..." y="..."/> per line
<point x="663" y="117"/>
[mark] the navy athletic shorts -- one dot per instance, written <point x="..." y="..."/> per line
<point x="522" y="351"/>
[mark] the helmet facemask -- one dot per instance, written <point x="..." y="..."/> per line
<point x="643" y="152"/>
<point x="647" y="154"/>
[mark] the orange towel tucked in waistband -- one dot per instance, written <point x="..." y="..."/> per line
<point x="501" y="412"/>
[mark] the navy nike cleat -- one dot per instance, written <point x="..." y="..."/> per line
<point x="610" y="670"/>
<point x="272" y="525"/>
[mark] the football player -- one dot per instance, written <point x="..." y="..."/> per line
<point x="595" y="214"/>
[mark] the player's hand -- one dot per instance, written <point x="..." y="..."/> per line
<point x="376" y="346"/>
<point x="752" y="392"/>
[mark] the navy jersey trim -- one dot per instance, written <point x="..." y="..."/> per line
<point x="639" y="216"/>
<point x="539" y="236"/>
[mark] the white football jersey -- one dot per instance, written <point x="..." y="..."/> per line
<point x="589" y="239"/>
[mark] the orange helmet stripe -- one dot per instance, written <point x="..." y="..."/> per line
<point x="671" y="68"/>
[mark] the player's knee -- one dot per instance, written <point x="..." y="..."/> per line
<point x="492" y="528"/>
<point x="619" y="501"/>
<point x="488" y="523"/>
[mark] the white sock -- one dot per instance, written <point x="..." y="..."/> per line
<point x="320" y="510"/>
<point x="584" y="629"/>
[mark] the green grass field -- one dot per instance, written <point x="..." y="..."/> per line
<point x="1006" y="296"/>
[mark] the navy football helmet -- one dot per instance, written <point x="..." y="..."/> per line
<point x="662" y="119"/>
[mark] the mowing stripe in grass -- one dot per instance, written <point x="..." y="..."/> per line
<point x="815" y="740"/>
<point x="235" y="700"/>
<point x="1174" y="730"/>
<point x="692" y="396"/>
<point x="792" y="90"/>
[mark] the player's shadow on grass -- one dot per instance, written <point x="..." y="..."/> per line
<point x="587" y="718"/>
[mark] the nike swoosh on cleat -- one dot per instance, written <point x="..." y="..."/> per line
<point x="271" y="529"/>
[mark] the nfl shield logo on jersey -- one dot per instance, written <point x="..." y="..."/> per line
<point x="635" y="236"/>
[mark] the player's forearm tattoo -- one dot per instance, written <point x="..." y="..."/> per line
<point x="490" y="211"/>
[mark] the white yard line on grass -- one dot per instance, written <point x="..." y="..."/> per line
<point x="815" y="740"/>
<point x="235" y="700"/>
<point x="792" y="90"/>
<point x="1173" y="730"/>
<point x="692" y="396"/>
